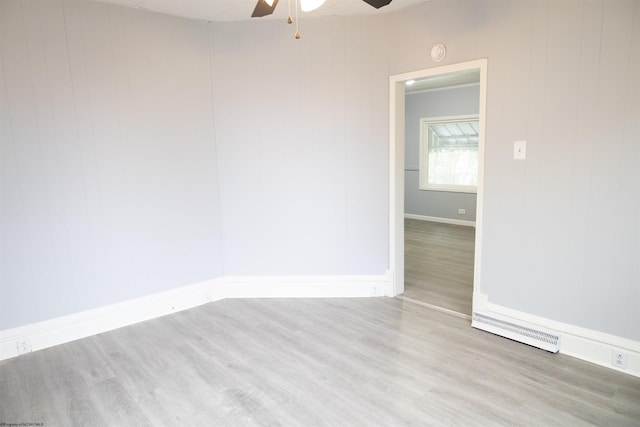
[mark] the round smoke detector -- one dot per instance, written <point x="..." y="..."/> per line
<point x="438" y="52"/>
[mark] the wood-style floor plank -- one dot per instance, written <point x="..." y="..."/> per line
<point x="310" y="362"/>
<point x="439" y="264"/>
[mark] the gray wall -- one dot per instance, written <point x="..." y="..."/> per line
<point x="561" y="234"/>
<point x="109" y="183"/>
<point x="109" y="186"/>
<point x="302" y="131"/>
<point x="457" y="101"/>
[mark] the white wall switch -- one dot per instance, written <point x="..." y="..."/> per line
<point x="462" y="211"/>
<point x="520" y="150"/>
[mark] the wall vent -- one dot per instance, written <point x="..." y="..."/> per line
<point x="533" y="336"/>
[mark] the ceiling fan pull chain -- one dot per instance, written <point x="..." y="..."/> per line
<point x="289" y="20"/>
<point x="297" y="20"/>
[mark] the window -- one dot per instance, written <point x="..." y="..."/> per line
<point x="449" y="154"/>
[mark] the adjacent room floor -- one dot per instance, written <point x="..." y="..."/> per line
<point x="439" y="264"/>
<point x="310" y="362"/>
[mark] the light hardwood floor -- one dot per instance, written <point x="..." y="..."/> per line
<point x="310" y="362"/>
<point x="439" y="264"/>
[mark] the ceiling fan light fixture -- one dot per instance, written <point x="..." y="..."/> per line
<point x="309" y="5"/>
<point x="266" y="7"/>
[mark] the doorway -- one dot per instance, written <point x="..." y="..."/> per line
<point x="443" y="76"/>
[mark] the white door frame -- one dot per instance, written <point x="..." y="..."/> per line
<point x="396" y="167"/>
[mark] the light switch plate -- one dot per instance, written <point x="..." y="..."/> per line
<point x="520" y="150"/>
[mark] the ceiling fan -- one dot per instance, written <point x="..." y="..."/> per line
<point x="266" y="7"/>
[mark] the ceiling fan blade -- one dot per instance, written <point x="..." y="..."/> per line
<point x="377" y="3"/>
<point x="263" y="9"/>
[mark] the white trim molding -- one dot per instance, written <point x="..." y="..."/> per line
<point x="441" y="220"/>
<point x="60" y="330"/>
<point x="589" y="345"/>
<point x="308" y="286"/>
<point x="424" y="156"/>
<point x="64" y="329"/>
<point x="397" y="157"/>
<point x="581" y="343"/>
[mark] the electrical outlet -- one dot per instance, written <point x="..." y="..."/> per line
<point x="619" y="359"/>
<point x="462" y="211"/>
<point x="23" y="346"/>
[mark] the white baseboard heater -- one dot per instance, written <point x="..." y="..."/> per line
<point x="527" y="334"/>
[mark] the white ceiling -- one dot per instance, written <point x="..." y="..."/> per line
<point x="240" y="10"/>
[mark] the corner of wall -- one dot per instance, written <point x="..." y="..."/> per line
<point x="37" y="336"/>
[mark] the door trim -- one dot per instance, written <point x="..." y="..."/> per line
<point x="396" y="168"/>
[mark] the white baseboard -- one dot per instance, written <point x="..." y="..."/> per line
<point x="441" y="220"/>
<point x="308" y="286"/>
<point x="581" y="343"/>
<point x="64" y="329"/>
<point x="586" y="344"/>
